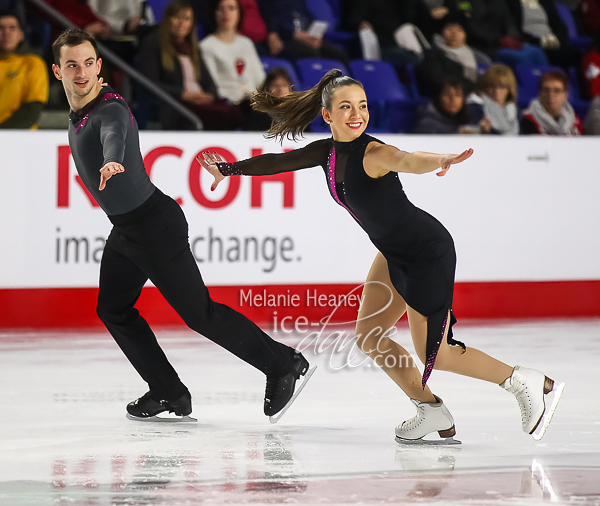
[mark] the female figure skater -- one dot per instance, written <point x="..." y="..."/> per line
<point x="416" y="259"/>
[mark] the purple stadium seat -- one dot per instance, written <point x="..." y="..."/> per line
<point x="390" y="104"/>
<point x="575" y="40"/>
<point x="270" y="62"/>
<point x="311" y="70"/>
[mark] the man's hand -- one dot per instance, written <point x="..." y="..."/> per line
<point x="108" y="171"/>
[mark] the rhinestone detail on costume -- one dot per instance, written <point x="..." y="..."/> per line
<point x="431" y="359"/>
<point x="331" y="181"/>
<point x="229" y="169"/>
<point x="108" y="96"/>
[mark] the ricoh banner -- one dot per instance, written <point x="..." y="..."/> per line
<point x="521" y="209"/>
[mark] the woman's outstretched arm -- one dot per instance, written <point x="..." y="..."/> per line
<point x="263" y="165"/>
<point x="383" y="158"/>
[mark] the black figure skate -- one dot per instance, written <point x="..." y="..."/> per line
<point x="146" y="409"/>
<point x="279" y="394"/>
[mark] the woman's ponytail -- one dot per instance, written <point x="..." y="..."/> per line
<point x="294" y="112"/>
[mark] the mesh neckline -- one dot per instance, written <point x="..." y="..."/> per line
<point x="342" y="147"/>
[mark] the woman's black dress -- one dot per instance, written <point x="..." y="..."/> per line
<point x="418" y="249"/>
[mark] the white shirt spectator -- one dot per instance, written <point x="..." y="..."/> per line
<point x="235" y="67"/>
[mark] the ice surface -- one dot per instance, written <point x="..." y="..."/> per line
<point x="64" y="438"/>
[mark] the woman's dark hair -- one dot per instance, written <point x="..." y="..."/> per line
<point x="462" y="116"/>
<point x="168" y="53"/>
<point x="213" y="9"/>
<point x="294" y="112"/>
<point x="72" y="37"/>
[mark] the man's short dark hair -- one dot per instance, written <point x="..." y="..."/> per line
<point x="5" y="13"/>
<point x="72" y="37"/>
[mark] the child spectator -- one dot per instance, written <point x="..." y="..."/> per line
<point x="448" y="112"/>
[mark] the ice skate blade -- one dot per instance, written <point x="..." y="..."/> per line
<point x="556" y="393"/>
<point x="449" y="441"/>
<point x="162" y="419"/>
<point x="307" y="376"/>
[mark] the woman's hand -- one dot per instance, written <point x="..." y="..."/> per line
<point x="101" y="82"/>
<point x="209" y="162"/>
<point x="450" y="159"/>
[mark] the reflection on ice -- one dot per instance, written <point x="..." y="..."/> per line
<point x="65" y="440"/>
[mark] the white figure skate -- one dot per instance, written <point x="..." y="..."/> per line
<point x="431" y="417"/>
<point x="537" y="396"/>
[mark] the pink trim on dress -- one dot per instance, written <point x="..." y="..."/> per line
<point x="431" y="359"/>
<point x="331" y="180"/>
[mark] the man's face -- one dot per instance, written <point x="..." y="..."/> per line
<point x="78" y="69"/>
<point x="11" y="34"/>
<point x="553" y="95"/>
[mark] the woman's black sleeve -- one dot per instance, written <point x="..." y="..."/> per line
<point x="274" y="163"/>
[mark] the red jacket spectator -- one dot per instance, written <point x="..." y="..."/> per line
<point x="81" y="14"/>
<point x="591" y="72"/>
<point x="253" y="25"/>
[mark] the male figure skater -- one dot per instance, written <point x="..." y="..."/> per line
<point x="149" y="240"/>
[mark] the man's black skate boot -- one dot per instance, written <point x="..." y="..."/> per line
<point x="147" y="406"/>
<point x="280" y="390"/>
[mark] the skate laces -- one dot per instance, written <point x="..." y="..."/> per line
<point x="271" y="388"/>
<point x="415" y="421"/>
<point x="519" y="390"/>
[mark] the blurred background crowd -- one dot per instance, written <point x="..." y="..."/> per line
<point x="496" y="67"/>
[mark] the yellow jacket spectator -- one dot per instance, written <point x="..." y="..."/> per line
<point x="23" y="78"/>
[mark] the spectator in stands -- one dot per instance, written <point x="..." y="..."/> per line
<point x="170" y="57"/>
<point x="234" y="64"/>
<point x="80" y="14"/>
<point x="252" y="24"/>
<point x="288" y="22"/>
<point x="23" y="78"/>
<point x="551" y="113"/>
<point x="123" y="16"/>
<point x="540" y="24"/>
<point x="591" y="69"/>
<point x="492" y="29"/>
<point x="393" y="22"/>
<point x="450" y="55"/>
<point x="449" y="113"/>
<point x="278" y="82"/>
<point x="453" y="43"/>
<point x="498" y="90"/>
<point x="592" y="120"/>
<point x="590" y="16"/>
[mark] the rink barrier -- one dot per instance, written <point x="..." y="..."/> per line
<point x="303" y="307"/>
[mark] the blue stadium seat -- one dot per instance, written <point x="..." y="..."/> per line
<point x="269" y="63"/>
<point x="311" y="70"/>
<point x="390" y="105"/>
<point x="579" y="42"/>
<point x="158" y="7"/>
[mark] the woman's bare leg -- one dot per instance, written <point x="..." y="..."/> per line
<point x="472" y="363"/>
<point x="381" y="308"/>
